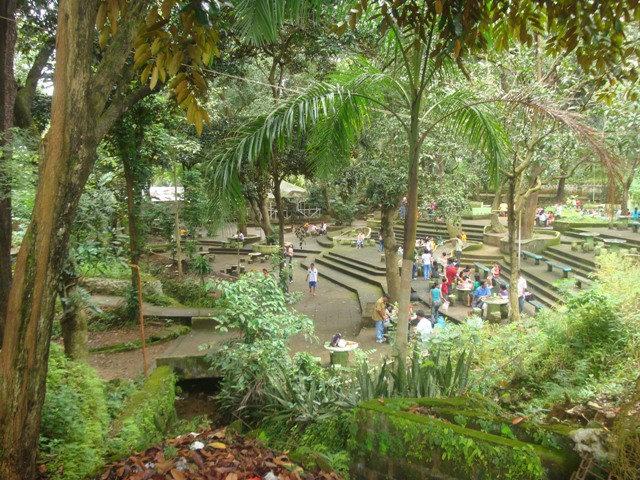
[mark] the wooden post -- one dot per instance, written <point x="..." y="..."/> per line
<point x="177" y="220"/>
<point x="141" y="320"/>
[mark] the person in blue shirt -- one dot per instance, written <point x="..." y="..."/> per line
<point x="479" y="295"/>
<point x="436" y="300"/>
<point x="636" y="214"/>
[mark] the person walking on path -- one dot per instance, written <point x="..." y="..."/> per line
<point x="312" y="278"/>
<point x="360" y="240"/>
<point x="436" y="300"/>
<point x="426" y="265"/>
<point x="379" y="315"/>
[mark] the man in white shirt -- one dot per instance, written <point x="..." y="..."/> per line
<point x="522" y="290"/>
<point x="312" y="278"/>
<point x="426" y="265"/>
<point x="424" y="327"/>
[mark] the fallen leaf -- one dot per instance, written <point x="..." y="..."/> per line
<point x="517" y="420"/>
<point x="217" y="445"/>
<point x="231" y="476"/>
<point x="177" y="475"/>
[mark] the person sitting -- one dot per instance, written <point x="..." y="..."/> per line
<point x="504" y="291"/>
<point x="479" y="296"/>
<point x="465" y="283"/>
<point x="495" y="270"/>
<point x="323" y="229"/>
<point x="313" y="230"/>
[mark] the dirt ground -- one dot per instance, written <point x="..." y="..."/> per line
<point x="124" y="364"/>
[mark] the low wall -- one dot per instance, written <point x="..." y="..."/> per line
<point x="454" y="439"/>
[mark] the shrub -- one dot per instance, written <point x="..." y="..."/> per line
<point x="191" y="293"/>
<point x="75" y="419"/>
<point x="147" y="415"/>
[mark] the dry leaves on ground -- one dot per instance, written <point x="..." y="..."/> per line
<point x="223" y="457"/>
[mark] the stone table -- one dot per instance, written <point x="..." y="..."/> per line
<point x="340" y="355"/>
<point x="497" y="307"/>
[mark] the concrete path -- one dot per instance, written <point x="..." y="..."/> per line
<point x="154" y="310"/>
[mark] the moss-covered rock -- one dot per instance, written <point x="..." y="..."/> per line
<point x="146" y="416"/>
<point x="455" y="439"/>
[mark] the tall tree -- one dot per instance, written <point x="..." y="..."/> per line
<point x="7" y="100"/>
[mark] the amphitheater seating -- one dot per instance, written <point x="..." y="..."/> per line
<point x="560" y="266"/>
<point x="534" y="256"/>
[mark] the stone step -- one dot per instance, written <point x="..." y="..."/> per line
<point x="376" y="280"/>
<point x="378" y="268"/>
<point x="580" y="268"/>
<point x="541" y="290"/>
<point x="367" y="293"/>
<point x="586" y="263"/>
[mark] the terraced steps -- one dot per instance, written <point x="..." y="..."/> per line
<point x="367" y="291"/>
<point x="583" y="267"/>
<point x="543" y="293"/>
<point x="437" y="231"/>
<point x="377" y="268"/>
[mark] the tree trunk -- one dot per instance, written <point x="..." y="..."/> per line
<point x="624" y="196"/>
<point x="24" y="98"/>
<point x="7" y="101"/>
<point x="265" y="220"/>
<point x="387" y="220"/>
<point x="529" y="215"/>
<point x="560" y="190"/>
<point x="74" y="319"/>
<point x="327" y="200"/>
<point x="69" y="154"/>
<point x="177" y="221"/>
<point x="514" y="259"/>
<point x="454" y="228"/>
<point x="410" y="225"/>
<point x="279" y="210"/>
<point x="242" y="217"/>
<point x="81" y="114"/>
<point x="75" y="333"/>
<point x="496" y="225"/>
<point x="134" y="202"/>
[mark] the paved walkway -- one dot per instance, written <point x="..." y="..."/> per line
<point x="154" y="310"/>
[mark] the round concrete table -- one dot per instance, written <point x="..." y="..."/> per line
<point x="340" y="355"/>
<point x="463" y="294"/>
<point x="497" y="307"/>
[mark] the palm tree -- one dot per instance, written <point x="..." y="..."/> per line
<point x="421" y="44"/>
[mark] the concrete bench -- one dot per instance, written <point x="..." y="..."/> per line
<point x="564" y="268"/>
<point x="533" y="256"/>
<point x="481" y="267"/>
<point x="253" y="256"/>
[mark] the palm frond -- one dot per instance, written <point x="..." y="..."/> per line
<point x="260" y="21"/>
<point x="575" y="123"/>
<point x="474" y="122"/>
<point x="331" y="115"/>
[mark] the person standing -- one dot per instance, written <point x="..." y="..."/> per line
<point x="379" y="315"/>
<point x="360" y="240"/>
<point x="312" y="278"/>
<point x="451" y="272"/>
<point x="426" y="264"/>
<point x="522" y="292"/>
<point x="436" y="300"/>
<point x="458" y="248"/>
<point x="380" y="242"/>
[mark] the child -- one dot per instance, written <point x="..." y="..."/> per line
<point x="312" y="278"/>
